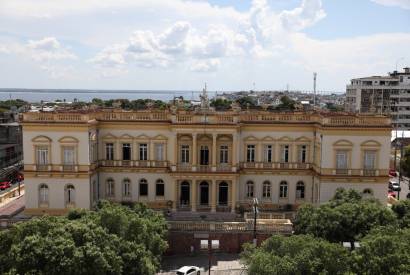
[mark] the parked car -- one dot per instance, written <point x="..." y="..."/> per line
<point x="4" y="184"/>
<point x="188" y="270"/>
<point x="394" y="185"/>
<point x="392" y="173"/>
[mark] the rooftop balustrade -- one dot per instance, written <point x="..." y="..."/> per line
<point x="186" y="117"/>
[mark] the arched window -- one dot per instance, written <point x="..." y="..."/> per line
<point x="110" y="188"/>
<point x="283" y="190"/>
<point x="126" y="188"/>
<point x="43" y="194"/>
<point x="223" y="193"/>
<point x="266" y="189"/>
<point x="249" y="189"/>
<point x="143" y="187"/>
<point x="159" y="188"/>
<point x="300" y="190"/>
<point x="70" y="194"/>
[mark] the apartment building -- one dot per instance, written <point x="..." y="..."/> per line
<point x="382" y="95"/>
<point x="200" y="160"/>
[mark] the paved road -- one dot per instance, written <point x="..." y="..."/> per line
<point x="404" y="184"/>
<point x="222" y="264"/>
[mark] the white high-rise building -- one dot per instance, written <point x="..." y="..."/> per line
<point x="382" y="94"/>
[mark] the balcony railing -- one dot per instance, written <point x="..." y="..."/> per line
<point x="183" y="117"/>
<point x="281" y="226"/>
<point x="342" y="171"/>
<point x="275" y="165"/>
<point x="69" y="167"/>
<point x="42" y="167"/>
<point x="369" y="172"/>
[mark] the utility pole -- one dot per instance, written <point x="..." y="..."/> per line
<point x="314" y="89"/>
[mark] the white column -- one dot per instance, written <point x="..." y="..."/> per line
<point x="214" y="152"/>
<point x="193" y="196"/>
<point x="233" y="195"/>
<point x="174" y="205"/>
<point x="194" y="152"/>
<point x="213" y="196"/>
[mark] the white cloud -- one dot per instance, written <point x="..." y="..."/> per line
<point x="404" y="4"/>
<point x="304" y="16"/>
<point x="48" y="48"/>
<point x="210" y="65"/>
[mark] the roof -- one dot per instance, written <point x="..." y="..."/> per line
<point x="403" y="141"/>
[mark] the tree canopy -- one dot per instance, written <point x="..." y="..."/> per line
<point x="297" y="254"/>
<point x="347" y="217"/>
<point x="114" y="239"/>
<point x="221" y="104"/>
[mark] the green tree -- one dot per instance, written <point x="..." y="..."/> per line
<point x="246" y="101"/>
<point x="286" y="103"/>
<point x="97" y="101"/>
<point x="347" y="217"/>
<point x="221" y="104"/>
<point x="298" y="254"/>
<point x="112" y="240"/>
<point x="405" y="162"/>
<point x="402" y="211"/>
<point x="383" y="251"/>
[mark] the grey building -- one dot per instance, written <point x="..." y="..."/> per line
<point x="382" y="94"/>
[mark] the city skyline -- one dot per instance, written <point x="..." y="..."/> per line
<point x="179" y="45"/>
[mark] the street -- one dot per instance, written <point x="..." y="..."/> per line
<point x="222" y="264"/>
<point x="404" y="184"/>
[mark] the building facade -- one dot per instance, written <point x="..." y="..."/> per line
<point x="200" y="160"/>
<point x="382" y="95"/>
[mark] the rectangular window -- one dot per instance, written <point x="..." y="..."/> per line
<point x="109" y="151"/>
<point x="159" y="190"/>
<point x="249" y="190"/>
<point x="184" y="153"/>
<point x="42" y="155"/>
<point x="143" y="151"/>
<point x="341" y="160"/>
<point x="250" y="153"/>
<point x="283" y="191"/>
<point x="68" y="155"/>
<point x="266" y="190"/>
<point x="302" y="153"/>
<point x="126" y="151"/>
<point x="159" y="151"/>
<point x="268" y="153"/>
<point x="223" y="154"/>
<point x="285" y="153"/>
<point x="369" y="160"/>
<point x="143" y="189"/>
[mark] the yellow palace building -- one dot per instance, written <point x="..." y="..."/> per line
<point x="200" y="160"/>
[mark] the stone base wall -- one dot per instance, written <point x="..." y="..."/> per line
<point x="180" y="243"/>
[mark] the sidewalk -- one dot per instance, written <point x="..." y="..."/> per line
<point x="12" y="207"/>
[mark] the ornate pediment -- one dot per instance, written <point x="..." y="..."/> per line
<point x="41" y="139"/>
<point x="251" y="138"/>
<point x="343" y="142"/>
<point x="68" y="139"/>
<point x="370" y="143"/>
<point x="109" y="136"/>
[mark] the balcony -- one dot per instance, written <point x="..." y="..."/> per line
<point x="275" y="165"/>
<point x="69" y="167"/>
<point x="342" y="171"/>
<point x="43" y="167"/>
<point x="135" y="163"/>
<point x="369" y="172"/>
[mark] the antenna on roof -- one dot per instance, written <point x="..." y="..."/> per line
<point x="314" y="89"/>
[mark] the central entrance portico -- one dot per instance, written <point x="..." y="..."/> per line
<point x="196" y="193"/>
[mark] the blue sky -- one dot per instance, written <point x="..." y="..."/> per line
<point x="180" y="44"/>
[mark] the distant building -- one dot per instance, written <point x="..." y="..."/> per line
<point x="10" y="144"/>
<point x="382" y="94"/>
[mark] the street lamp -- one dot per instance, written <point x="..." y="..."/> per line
<point x="255" y="213"/>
